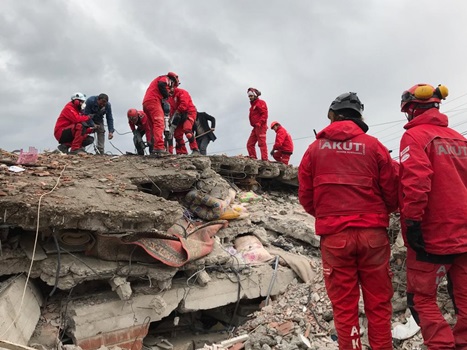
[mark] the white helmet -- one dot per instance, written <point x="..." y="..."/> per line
<point x="78" y="96"/>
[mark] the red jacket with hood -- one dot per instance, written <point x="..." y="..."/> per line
<point x="434" y="181"/>
<point x="69" y="116"/>
<point x="347" y="179"/>
<point x="283" y="141"/>
<point x="181" y="101"/>
<point x="258" y="112"/>
<point x="141" y="124"/>
<point x="158" y="89"/>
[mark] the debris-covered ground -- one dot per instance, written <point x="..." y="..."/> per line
<point x="77" y="218"/>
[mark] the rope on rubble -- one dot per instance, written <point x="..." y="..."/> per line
<point x="33" y="251"/>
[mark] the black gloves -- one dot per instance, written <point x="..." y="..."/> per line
<point x="272" y="153"/>
<point x="415" y="236"/>
<point x="89" y="123"/>
<point x="165" y="107"/>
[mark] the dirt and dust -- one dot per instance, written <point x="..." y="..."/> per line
<point x="83" y="199"/>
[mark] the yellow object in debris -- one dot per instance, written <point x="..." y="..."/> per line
<point x="234" y="212"/>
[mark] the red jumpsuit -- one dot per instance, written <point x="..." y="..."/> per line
<point x="69" y="129"/>
<point x="142" y="125"/>
<point x="283" y="146"/>
<point x="258" y="120"/>
<point x="348" y="182"/>
<point x="182" y="104"/>
<point x="142" y="128"/>
<point x="152" y="106"/>
<point x="434" y="192"/>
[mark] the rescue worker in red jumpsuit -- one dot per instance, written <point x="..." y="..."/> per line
<point x="283" y="145"/>
<point x="138" y="122"/>
<point x="433" y="171"/>
<point x="72" y="128"/>
<point x="347" y="181"/>
<point x="258" y="120"/>
<point x="183" y="118"/>
<point x="155" y="106"/>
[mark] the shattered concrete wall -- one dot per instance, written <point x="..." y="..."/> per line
<point x="67" y="213"/>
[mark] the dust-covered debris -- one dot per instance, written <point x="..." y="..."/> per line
<point x="67" y="213"/>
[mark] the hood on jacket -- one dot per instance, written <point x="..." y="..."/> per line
<point x="341" y="130"/>
<point x="432" y="116"/>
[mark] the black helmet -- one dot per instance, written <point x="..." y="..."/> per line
<point x="348" y="100"/>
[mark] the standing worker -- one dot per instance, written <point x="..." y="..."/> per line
<point x="156" y="106"/>
<point x="258" y="120"/>
<point x="433" y="170"/>
<point x="184" y="116"/>
<point x="283" y="146"/>
<point x="347" y="181"/>
<point x="96" y="107"/>
<point x="203" y="132"/>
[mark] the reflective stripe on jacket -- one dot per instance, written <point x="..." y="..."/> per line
<point x="347" y="179"/>
<point x="434" y="181"/>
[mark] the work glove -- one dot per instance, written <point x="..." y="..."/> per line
<point x="272" y="153"/>
<point x="165" y="107"/>
<point x="415" y="236"/>
<point x="89" y="123"/>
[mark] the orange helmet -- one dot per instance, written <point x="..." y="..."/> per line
<point x="423" y="94"/>
<point x="133" y="115"/>
<point x="274" y="123"/>
<point x="174" y="78"/>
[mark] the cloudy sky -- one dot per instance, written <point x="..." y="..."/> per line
<point x="300" y="54"/>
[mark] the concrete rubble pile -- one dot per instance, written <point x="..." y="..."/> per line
<point x="79" y="266"/>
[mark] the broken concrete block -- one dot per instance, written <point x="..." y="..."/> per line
<point x="19" y="313"/>
<point x="122" y="287"/>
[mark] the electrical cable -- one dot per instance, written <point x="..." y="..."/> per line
<point x="57" y="272"/>
<point x="33" y="252"/>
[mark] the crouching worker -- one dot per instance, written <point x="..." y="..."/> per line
<point x="72" y="128"/>
<point x="139" y="125"/>
<point x="283" y="146"/>
<point x="183" y="106"/>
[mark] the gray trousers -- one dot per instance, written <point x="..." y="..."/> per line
<point x="100" y="133"/>
<point x="203" y="142"/>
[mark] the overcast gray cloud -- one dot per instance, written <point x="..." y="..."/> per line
<point x="301" y="54"/>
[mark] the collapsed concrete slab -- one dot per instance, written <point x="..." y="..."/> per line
<point x="19" y="310"/>
<point x="96" y="320"/>
<point x="69" y="214"/>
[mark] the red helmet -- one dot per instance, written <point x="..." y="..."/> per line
<point x="174" y="78"/>
<point x="423" y="94"/>
<point x="274" y="123"/>
<point x="133" y="115"/>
